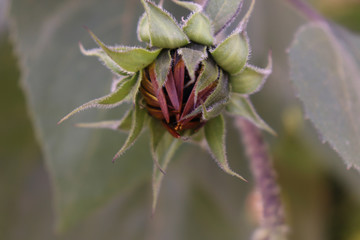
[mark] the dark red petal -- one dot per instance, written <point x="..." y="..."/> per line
<point x="171" y="130"/>
<point x="159" y="94"/>
<point x="171" y="91"/>
<point x="179" y="77"/>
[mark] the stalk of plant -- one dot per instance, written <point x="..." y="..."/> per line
<point x="183" y="82"/>
<point x="272" y="220"/>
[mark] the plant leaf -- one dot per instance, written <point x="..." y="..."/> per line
<point x="163" y="29"/>
<point x="138" y="119"/>
<point x="130" y="59"/>
<point x="232" y="54"/>
<point x="222" y="13"/>
<point x="251" y="79"/>
<point x="112" y="100"/>
<point x="325" y="68"/>
<point x="163" y="148"/>
<point x="215" y="137"/>
<point x="242" y="106"/>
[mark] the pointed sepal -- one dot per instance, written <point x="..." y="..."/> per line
<point x="222" y="13"/>
<point x="119" y="125"/>
<point x="251" y="79"/>
<point x="208" y="75"/>
<point x="138" y="118"/>
<point x="192" y="56"/>
<point x="232" y="54"/>
<point x="143" y="33"/>
<point x="163" y="148"/>
<point x="215" y="137"/>
<point x="198" y="28"/>
<point x="104" y="58"/>
<point x="162" y="66"/>
<point x="164" y="32"/>
<point x="194" y="7"/>
<point x="241" y="106"/>
<point x="112" y="100"/>
<point x="131" y="59"/>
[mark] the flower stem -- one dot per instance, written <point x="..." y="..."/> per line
<point x="272" y="224"/>
<point x="306" y="10"/>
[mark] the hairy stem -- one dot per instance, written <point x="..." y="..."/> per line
<point x="306" y="10"/>
<point x="273" y="220"/>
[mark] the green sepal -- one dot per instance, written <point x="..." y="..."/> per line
<point x="222" y="12"/>
<point x="130" y="59"/>
<point x="192" y="56"/>
<point x="216" y="101"/>
<point x="209" y="74"/>
<point x="241" y="106"/>
<point x="232" y="54"/>
<point x="198" y="28"/>
<point x="194" y="7"/>
<point x="138" y="118"/>
<point x="143" y="33"/>
<point x="163" y="30"/>
<point x="120" y="125"/>
<point x="162" y="66"/>
<point x="251" y="79"/>
<point x="215" y="137"/>
<point x="163" y="148"/>
<point x="108" y="62"/>
<point x="112" y="100"/>
<point x="244" y="21"/>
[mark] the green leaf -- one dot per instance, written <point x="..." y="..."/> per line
<point x="138" y="119"/>
<point x="222" y="13"/>
<point x="108" y="62"/>
<point x="198" y="28"/>
<point x="124" y="124"/>
<point x="130" y="59"/>
<point x="112" y="100"/>
<point x="58" y="76"/>
<point x="163" y="29"/>
<point x="143" y="33"/>
<point x="325" y="69"/>
<point x="232" y="54"/>
<point x="215" y="137"/>
<point x="192" y="56"/>
<point x="162" y="66"/>
<point x="241" y="106"/>
<point x="163" y="148"/>
<point x="251" y="79"/>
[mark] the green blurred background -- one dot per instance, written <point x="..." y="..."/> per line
<point x="321" y="196"/>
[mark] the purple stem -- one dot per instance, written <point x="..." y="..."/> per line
<point x="305" y="9"/>
<point x="264" y="175"/>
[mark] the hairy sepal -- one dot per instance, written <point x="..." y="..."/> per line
<point x="199" y="29"/>
<point x="241" y="106"/>
<point x="138" y="118"/>
<point x="215" y="138"/>
<point x="192" y="56"/>
<point x="164" y="32"/>
<point x="251" y="79"/>
<point x="131" y="59"/>
<point x="232" y="54"/>
<point x="112" y="100"/>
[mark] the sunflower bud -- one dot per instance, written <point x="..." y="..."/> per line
<point x="174" y="103"/>
<point x="185" y="79"/>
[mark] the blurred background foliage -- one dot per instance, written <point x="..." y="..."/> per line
<point x="197" y="201"/>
